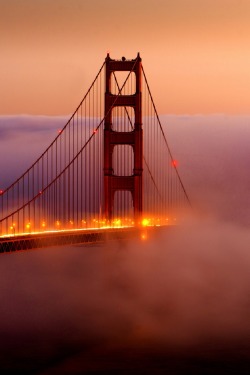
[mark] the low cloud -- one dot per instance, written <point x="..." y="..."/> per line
<point x="62" y="308"/>
<point x="214" y="159"/>
<point x="188" y="288"/>
<point x="22" y="140"/>
<point x="212" y="152"/>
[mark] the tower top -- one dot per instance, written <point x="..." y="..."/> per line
<point x="138" y="57"/>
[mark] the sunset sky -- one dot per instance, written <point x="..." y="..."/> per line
<point x="195" y="52"/>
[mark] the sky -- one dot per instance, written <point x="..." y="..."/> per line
<point x="195" y="53"/>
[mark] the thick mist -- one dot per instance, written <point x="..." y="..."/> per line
<point x="184" y="293"/>
<point x="187" y="288"/>
<point x="214" y="160"/>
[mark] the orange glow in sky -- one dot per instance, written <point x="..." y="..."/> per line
<point x="195" y="53"/>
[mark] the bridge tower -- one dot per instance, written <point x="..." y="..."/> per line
<point x="134" y="138"/>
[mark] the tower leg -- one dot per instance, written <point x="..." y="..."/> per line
<point x="112" y="138"/>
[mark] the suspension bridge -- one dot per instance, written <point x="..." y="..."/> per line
<point x="108" y="172"/>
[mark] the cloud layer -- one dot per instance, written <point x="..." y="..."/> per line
<point x="185" y="292"/>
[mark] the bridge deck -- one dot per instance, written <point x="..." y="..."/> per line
<point x="41" y="240"/>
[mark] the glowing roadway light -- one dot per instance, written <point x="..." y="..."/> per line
<point x="117" y="222"/>
<point x="145" y="222"/>
<point x="66" y="230"/>
<point x="13" y="228"/>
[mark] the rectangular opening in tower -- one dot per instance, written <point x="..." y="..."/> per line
<point x="123" y="160"/>
<point x="123" y="80"/>
<point x="123" y="119"/>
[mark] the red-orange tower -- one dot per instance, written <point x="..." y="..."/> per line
<point x="134" y="138"/>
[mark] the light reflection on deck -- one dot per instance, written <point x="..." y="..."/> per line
<point x="99" y="225"/>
